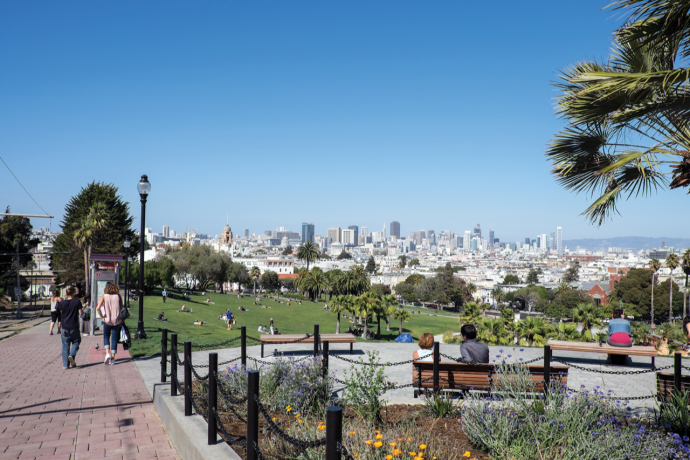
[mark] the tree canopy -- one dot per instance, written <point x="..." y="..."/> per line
<point x="15" y="230"/>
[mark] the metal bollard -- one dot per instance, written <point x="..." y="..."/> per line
<point x="324" y="362"/>
<point x="164" y="356"/>
<point x="547" y="367"/>
<point x="437" y="360"/>
<point x="243" y="345"/>
<point x="677" y="370"/>
<point x="187" y="378"/>
<point x="212" y="398"/>
<point x="252" y="415"/>
<point x="334" y="432"/>
<point x="173" y="364"/>
<point x="316" y="340"/>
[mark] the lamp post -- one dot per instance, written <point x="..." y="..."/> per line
<point x="144" y="188"/>
<point x="127" y="244"/>
<point x="129" y="260"/>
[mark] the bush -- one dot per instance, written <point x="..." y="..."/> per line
<point x="365" y="387"/>
<point x="450" y="338"/>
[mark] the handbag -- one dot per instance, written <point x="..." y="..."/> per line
<point x="124" y="314"/>
<point x="125" y="337"/>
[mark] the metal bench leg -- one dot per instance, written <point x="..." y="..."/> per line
<point x="262" y="350"/>
<point x="351" y="347"/>
<point x="653" y="366"/>
<point x="416" y="394"/>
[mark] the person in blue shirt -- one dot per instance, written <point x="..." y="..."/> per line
<point x="619" y="330"/>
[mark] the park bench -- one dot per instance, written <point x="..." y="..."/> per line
<point x="301" y="339"/>
<point x="457" y="377"/>
<point x="593" y="347"/>
<point x="665" y="385"/>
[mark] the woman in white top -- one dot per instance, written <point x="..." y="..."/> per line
<point x="54" y="312"/>
<point x="425" y="352"/>
<point x="109" y="308"/>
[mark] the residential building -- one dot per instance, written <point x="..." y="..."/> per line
<point x="395" y="229"/>
<point x="335" y="234"/>
<point x="307" y="232"/>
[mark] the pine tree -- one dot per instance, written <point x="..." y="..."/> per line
<point x="371" y="265"/>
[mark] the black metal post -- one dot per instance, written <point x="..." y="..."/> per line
<point x="547" y="366"/>
<point x="243" y="345"/>
<point x="334" y="432"/>
<point x="677" y="369"/>
<point x="437" y="359"/>
<point x="126" y="277"/>
<point x="173" y="364"/>
<point x="142" y="235"/>
<point x="164" y="356"/>
<point x="316" y="340"/>
<point x="212" y="398"/>
<point x="252" y="415"/>
<point x="187" y="378"/>
<point x="325" y="359"/>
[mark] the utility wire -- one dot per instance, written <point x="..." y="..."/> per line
<point x="27" y="192"/>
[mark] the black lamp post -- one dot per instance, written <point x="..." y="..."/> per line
<point x="144" y="188"/>
<point x="129" y="273"/>
<point x="127" y="244"/>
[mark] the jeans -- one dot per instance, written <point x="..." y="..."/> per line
<point x="70" y="337"/>
<point x="111" y="334"/>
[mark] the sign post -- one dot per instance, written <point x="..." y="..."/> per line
<point x="104" y="268"/>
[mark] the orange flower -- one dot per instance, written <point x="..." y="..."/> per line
<point x="299" y="421"/>
<point x="378" y="444"/>
<point x="467" y="454"/>
<point x="356" y="456"/>
<point x="379" y="436"/>
<point x="369" y="442"/>
<point x="399" y="439"/>
<point x="389" y="457"/>
<point x="377" y="431"/>
<point x="298" y="415"/>
<point x="274" y="419"/>
<point x="412" y="454"/>
<point x="422" y="446"/>
<point x="409" y="439"/>
<point x="393" y="444"/>
<point x="352" y="433"/>
<point x="397" y="451"/>
<point x="321" y="427"/>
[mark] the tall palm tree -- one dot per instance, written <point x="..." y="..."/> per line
<point x="403" y="316"/>
<point x="255" y="273"/>
<point x="654" y="266"/>
<point x="340" y="304"/>
<point x="672" y="263"/>
<point x="86" y="232"/>
<point x="589" y="316"/>
<point x="315" y="283"/>
<point x="300" y="280"/>
<point x="308" y="252"/>
<point x="686" y="270"/>
<point x="390" y="304"/>
<point x="471" y="289"/>
<point x="497" y="294"/>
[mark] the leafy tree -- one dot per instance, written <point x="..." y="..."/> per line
<point x="344" y="255"/>
<point x="406" y="291"/>
<point x="589" y="316"/>
<point x="532" y="331"/>
<point x="255" y="274"/>
<point x="308" y="253"/>
<point x="219" y="265"/>
<point x="532" y="277"/>
<point x="672" y="263"/>
<point x="68" y="257"/>
<point x="237" y="273"/>
<point x="571" y="274"/>
<point x="340" y="304"/>
<point x="13" y="231"/>
<point x="511" y="279"/>
<point x="450" y="289"/>
<point x="413" y="263"/>
<point x="380" y="289"/>
<point x="403" y="261"/>
<point x="158" y="272"/>
<point x="287" y="283"/>
<point x="371" y="265"/>
<point x="426" y="289"/>
<point x="401" y="315"/>
<point x="471" y="313"/>
<point x="269" y="280"/>
<point x="497" y="294"/>
<point x="287" y="251"/>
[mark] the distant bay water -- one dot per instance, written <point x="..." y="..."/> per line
<point x="634" y="243"/>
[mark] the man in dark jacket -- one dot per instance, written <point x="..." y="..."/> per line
<point x="472" y="350"/>
<point x="70" y="310"/>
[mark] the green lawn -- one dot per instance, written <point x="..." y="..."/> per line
<point x="293" y="319"/>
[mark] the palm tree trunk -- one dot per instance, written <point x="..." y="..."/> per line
<point x="400" y="329"/>
<point x="337" y="325"/>
<point x="670" y="297"/>
<point x="378" y="330"/>
<point x="388" y="323"/>
<point x="86" y="269"/>
<point x="366" y="323"/>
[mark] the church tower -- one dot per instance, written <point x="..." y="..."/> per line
<point x="226" y="236"/>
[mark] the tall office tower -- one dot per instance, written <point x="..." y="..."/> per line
<point x="474" y="243"/>
<point x="413" y="236"/>
<point x="477" y="231"/>
<point x="173" y="234"/>
<point x="430" y="233"/>
<point x="246" y="233"/>
<point x="395" y="229"/>
<point x="335" y="234"/>
<point x="553" y="241"/>
<point x="355" y="241"/>
<point x="364" y="232"/>
<point x="466" y="239"/>
<point x="307" y="232"/>
<point x="383" y="232"/>
<point x="526" y="240"/>
<point x="542" y="241"/>
<point x="420" y="236"/>
<point x="559" y="240"/>
<point x="348" y="237"/>
<point x="166" y="231"/>
<point x="491" y="238"/>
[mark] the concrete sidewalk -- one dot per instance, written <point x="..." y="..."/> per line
<point x="93" y="411"/>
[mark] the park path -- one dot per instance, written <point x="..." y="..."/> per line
<point x="93" y="411"/>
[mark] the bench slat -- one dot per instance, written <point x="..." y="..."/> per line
<point x="590" y="347"/>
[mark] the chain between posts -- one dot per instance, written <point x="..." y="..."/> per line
<point x="281" y="433"/>
<point x="229" y="439"/>
<point x="191" y="398"/>
<point x="258" y="451"/>
<point x="612" y="372"/>
<point x="213" y="345"/>
<point x="370" y="364"/>
<point x="286" y="341"/>
<point x="220" y="364"/>
<point x="198" y="376"/>
<point x="342" y="450"/>
<point x="617" y="398"/>
<point x="229" y="398"/>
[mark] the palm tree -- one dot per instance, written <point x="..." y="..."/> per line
<point x="686" y="270"/>
<point x="367" y="304"/>
<point x="402" y="315"/>
<point x="471" y="289"/>
<point x="315" y="282"/>
<point x="497" y="295"/>
<point x="532" y="331"/>
<point x="589" y="316"/>
<point x="672" y="263"/>
<point x="566" y="331"/>
<point x="493" y="332"/>
<point x="86" y="232"/>
<point x="255" y="273"/>
<point x="471" y="313"/>
<point x="654" y="266"/>
<point x="390" y="304"/>
<point x="308" y="252"/>
<point x="340" y="304"/>
<point x="563" y="286"/>
<point x="300" y="280"/>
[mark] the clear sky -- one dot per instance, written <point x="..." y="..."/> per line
<point x="434" y="114"/>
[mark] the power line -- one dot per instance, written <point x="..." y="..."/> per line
<point x="27" y="192"/>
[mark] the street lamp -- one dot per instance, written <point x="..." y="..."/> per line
<point x="127" y="244"/>
<point x="144" y="188"/>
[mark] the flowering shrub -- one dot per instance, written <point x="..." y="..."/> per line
<point x="366" y="386"/>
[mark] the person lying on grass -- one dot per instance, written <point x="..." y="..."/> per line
<point x="199" y="323"/>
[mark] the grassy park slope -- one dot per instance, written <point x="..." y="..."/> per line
<point x="293" y="319"/>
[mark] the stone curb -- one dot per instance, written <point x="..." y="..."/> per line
<point x="188" y="434"/>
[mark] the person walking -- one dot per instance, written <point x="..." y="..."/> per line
<point x="271" y="325"/>
<point x="165" y="295"/>
<point x="70" y="309"/>
<point x="109" y="308"/>
<point x="54" y="312"/>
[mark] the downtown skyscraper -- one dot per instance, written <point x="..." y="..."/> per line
<point x="395" y="229"/>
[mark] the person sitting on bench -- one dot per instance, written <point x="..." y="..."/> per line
<point x="426" y="345"/>
<point x="619" y="330"/>
<point x="472" y="350"/>
<point x="161" y="317"/>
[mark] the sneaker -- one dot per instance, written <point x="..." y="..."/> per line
<point x="65" y="368"/>
<point x="112" y="361"/>
<point x="85" y="335"/>
<point x="107" y="359"/>
<point x="71" y="361"/>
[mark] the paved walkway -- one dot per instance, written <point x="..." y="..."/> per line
<point x="93" y="411"/>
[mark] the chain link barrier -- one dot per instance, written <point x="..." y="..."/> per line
<point x="302" y="339"/>
<point x="370" y="364"/>
<point x="586" y="369"/>
<point x="198" y="377"/>
<point x="282" y="434"/>
<point x="230" y="399"/>
<point x="229" y="439"/>
<point x="343" y="451"/>
<point x="258" y="451"/>
<point x="617" y="398"/>
<point x="215" y="345"/>
<point x="220" y="364"/>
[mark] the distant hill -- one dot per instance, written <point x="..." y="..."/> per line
<point x="634" y="243"/>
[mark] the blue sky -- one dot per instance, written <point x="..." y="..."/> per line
<point x="433" y="114"/>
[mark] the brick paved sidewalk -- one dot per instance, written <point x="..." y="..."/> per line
<point x="93" y="411"/>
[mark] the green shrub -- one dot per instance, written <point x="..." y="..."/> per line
<point x="365" y="387"/>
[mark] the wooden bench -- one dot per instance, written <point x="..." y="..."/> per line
<point x="480" y="377"/>
<point x="592" y="347"/>
<point x="293" y="338"/>
<point x="665" y="385"/>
